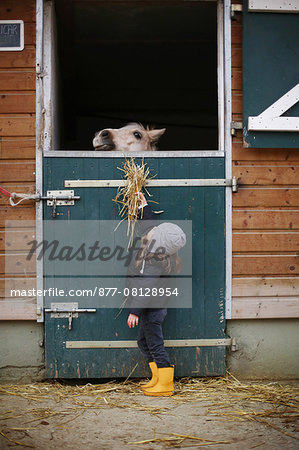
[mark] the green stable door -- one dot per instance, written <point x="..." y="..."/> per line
<point x="95" y="342"/>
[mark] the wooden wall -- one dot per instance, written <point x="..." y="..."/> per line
<point x="265" y="210"/>
<point x="17" y="160"/>
<point x="265" y="218"/>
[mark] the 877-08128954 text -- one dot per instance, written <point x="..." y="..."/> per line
<point x="141" y="292"/>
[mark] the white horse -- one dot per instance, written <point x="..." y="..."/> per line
<point x="132" y="137"/>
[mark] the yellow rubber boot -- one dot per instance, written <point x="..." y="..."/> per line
<point x="164" y="386"/>
<point x="154" y="379"/>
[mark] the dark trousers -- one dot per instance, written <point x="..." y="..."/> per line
<point x="150" y="337"/>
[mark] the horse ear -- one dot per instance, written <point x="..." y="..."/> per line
<point x="156" y="134"/>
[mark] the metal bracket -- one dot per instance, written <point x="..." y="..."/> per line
<point x="234" y="185"/>
<point x="62" y="310"/>
<point x="60" y="198"/>
<point x="229" y="342"/>
<point x="68" y="311"/>
<point x="234" y="10"/>
<point x="233" y="345"/>
<point x="177" y="182"/>
<point x="235" y="126"/>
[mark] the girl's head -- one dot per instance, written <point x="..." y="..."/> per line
<point x="162" y="243"/>
<point x="167" y="238"/>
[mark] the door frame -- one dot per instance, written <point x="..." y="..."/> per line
<point x="47" y="127"/>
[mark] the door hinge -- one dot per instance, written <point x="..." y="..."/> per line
<point x="234" y="10"/>
<point x="234" y="126"/>
<point x="233" y="345"/>
<point x="234" y="185"/>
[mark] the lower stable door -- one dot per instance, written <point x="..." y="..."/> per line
<point x="86" y="332"/>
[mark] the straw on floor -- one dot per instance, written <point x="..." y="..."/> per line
<point x="273" y="405"/>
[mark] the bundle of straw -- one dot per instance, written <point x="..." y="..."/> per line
<point x="136" y="176"/>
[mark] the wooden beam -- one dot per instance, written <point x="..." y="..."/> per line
<point x="236" y="30"/>
<point x="265" y="308"/>
<point x="266" y="175"/>
<point x="265" y="287"/>
<point x="237" y="80"/>
<point x="16" y="103"/>
<point x="266" y="197"/>
<point x="237" y="102"/>
<point x="258" y="242"/>
<point x="30" y="33"/>
<point x="25" y="58"/>
<point x="10" y="216"/>
<point x="17" y="125"/>
<point x="265" y="220"/>
<point x="236" y="56"/>
<point x="17" y="264"/>
<point x="6" y="284"/>
<point x="255" y="155"/>
<point x="16" y="9"/>
<point x="265" y="265"/>
<point x="17" y="171"/>
<point x="16" y="240"/>
<point x="18" y="80"/>
<point x="18" y="309"/>
<point x="17" y="148"/>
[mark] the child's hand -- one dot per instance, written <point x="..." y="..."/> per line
<point x="132" y="321"/>
<point x="142" y="199"/>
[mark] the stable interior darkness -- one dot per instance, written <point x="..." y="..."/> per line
<point x="149" y="62"/>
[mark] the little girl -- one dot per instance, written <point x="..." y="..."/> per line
<point x="156" y="260"/>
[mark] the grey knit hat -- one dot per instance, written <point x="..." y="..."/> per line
<point x="169" y="237"/>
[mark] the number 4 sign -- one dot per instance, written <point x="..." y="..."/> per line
<point x="272" y="118"/>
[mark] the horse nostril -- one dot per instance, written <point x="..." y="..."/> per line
<point x="105" y="133"/>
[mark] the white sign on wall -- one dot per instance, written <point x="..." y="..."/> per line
<point x="11" y="35"/>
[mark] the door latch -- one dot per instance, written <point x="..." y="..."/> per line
<point x="68" y="311"/>
<point x="60" y="198"/>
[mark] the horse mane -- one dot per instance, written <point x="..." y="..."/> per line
<point x="135" y="124"/>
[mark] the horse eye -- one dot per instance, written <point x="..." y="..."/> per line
<point x="137" y="135"/>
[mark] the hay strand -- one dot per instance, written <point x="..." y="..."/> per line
<point x="175" y="438"/>
<point x="136" y="176"/>
<point x="15" y="442"/>
<point x="131" y="373"/>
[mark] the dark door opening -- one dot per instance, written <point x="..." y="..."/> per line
<point x="145" y="62"/>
